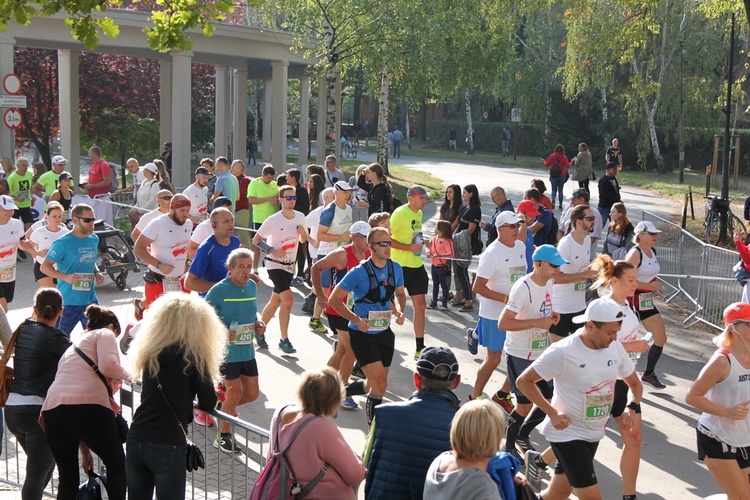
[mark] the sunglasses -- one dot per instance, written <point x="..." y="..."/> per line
<point x="590" y="218"/>
<point x="165" y="197"/>
<point x="511" y="226"/>
<point x="289" y="198"/>
<point x="87" y="220"/>
<point x="382" y="244"/>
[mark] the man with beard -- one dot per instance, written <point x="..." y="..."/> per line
<point x="197" y="193"/>
<point x="75" y="255"/>
<point x="163" y="245"/>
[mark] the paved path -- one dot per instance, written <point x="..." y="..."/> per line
<point x="669" y="468"/>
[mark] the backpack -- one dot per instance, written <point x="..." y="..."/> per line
<point x="395" y="203"/>
<point x="113" y="181"/>
<point x="554" y="170"/>
<point x="554" y="227"/>
<point x="375" y="285"/>
<point x="276" y="480"/>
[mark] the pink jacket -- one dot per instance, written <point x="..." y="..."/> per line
<point x="441" y="247"/>
<point x="76" y="383"/>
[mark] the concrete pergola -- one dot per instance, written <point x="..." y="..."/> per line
<point x="239" y="53"/>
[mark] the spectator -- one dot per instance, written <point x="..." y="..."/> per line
<point x="620" y="233"/>
<point x="79" y="411"/>
<point x="398" y="137"/>
<point x="558" y="172"/>
<point x="315" y="185"/>
<point x="262" y="194"/>
<point x="227" y="184"/>
<point x="540" y="186"/>
<point x="468" y="220"/>
<point x="502" y="204"/>
<point x="396" y="469"/>
<point x="452" y="139"/>
<point x="38" y="348"/>
<point x="451" y="205"/>
<point x="100" y="175"/>
<point x="177" y="353"/>
<point x="166" y="157"/>
<point x="542" y="226"/>
<point x="613" y="154"/>
<point x="332" y="173"/>
<point x="744" y="251"/>
<point x="359" y="199"/>
<point x="505" y="140"/>
<point x="378" y="190"/>
<point x="302" y="205"/>
<point x="609" y="191"/>
<point x="583" y="165"/>
<point x="242" y="207"/>
<point x="319" y="442"/>
<point x="146" y="199"/>
<point x="165" y="179"/>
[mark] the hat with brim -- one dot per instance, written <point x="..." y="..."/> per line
<point x="646" y="226"/>
<point x="438" y="363"/>
<point x="506" y="217"/>
<point x="601" y="310"/>
<point x="528" y="207"/>
<point x="7" y="203"/>
<point x="548" y="253"/>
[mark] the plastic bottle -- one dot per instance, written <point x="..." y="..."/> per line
<point x="233" y="326"/>
<point x="419" y="239"/>
<point x="647" y="338"/>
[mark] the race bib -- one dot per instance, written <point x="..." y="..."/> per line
<point x="23" y="193"/>
<point x="515" y="273"/>
<point x="171" y="284"/>
<point x="379" y="320"/>
<point x="539" y="340"/>
<point x="645" y="301"/>
<point x="245" y="334"/>
<point x="598" y="406"/>
<point x="7" y="274"/>
<point x="83" y="282"/>
<point x="634" y="356"/>
<point x="579" y="287"/>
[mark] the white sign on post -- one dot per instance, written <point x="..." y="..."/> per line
<point x="12" y="83"/>
<point x="12" y="101"/>
<point x="12" y="118"/>
<point x="515" y="115"/>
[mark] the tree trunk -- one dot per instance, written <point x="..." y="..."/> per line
<point x="407" y="127"/>
<point x="469" y="124"/>
<point x="423" y="121"/>
<point x="383" y="118"/>
<point x="256" y="110"/>
<point x="331" y="75"/>
<point x="661" y="166"/>
<point x="605" y="115"/>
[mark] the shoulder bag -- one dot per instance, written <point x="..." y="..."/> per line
<point x="6" y="372"/>
<point x="193" y="455"/>
<point x="122" y="424"/>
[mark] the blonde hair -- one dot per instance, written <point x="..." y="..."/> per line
<point x="320" y="392"/>
<point x="477" y="430"/>
<point x="378" y="218"/>
<point x="726" y="338"/>
<point x="177" y="318"/>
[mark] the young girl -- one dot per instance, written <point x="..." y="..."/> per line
<point x="440" y="251"/>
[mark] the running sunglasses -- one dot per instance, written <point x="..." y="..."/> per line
<point x="289" y="198"/>
<point x="590" y="218"/>
<point x="87" y="220"/>
<point x="382" y="244"/>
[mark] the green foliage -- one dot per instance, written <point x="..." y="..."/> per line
<point x="122" y="134"/>
<point x="202" y="129"/>
<point x="530" y="136"/>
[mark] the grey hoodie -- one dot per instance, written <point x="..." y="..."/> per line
<point x="467" y="484"/>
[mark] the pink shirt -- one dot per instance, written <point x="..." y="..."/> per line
<point x="76" y="383"/>
<point x="319" y="442"/>
<point x="98" y="171"/>
<point x="441" y="247"/>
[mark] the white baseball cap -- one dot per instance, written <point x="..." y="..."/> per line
<point x="343" y="186"/>
<point x="605" y="311"/>
<point x="646" y="226"/>
<point x="506" y="217"/>
<point x="59" y="159"/>
<point x="150" y="167"/>
<point x="360" y="227"/>
<point x="7" y="203"/>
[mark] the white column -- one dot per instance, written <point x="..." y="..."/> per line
<point x="181" y="114"/>
<point x="267" y="119"/>
<point x="279" y="75"/>
<point x="304" y="118"/>
<point x="7" y="137"/>
<point x="337" y="96"/>
<point x="320" y="136"/>
<point x="70" y="136"/>
<point x="165" y="101"/>
<point x="221" y="132"/>
<point x="239" y="115"/>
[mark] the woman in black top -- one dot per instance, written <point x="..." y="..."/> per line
<point x="452" y="205"/>
<point x="38" y="348"/>
<point x="468" y="220"/>
<point x="378" y="191"/>
<point x="180" y="348"/>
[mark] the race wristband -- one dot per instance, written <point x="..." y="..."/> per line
<point x="265" y="246"/>
<point x="635" y="407"/>
<point x="158" y="263"/>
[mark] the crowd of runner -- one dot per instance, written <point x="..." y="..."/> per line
<point x="571" y="356"/>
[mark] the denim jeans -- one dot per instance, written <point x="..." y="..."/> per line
<point x="23" y="422"/>
<point x="557" y="188"/>
<point x="604" y="212"/>
<point x="154" y="464"/>
<point x="397" y="149"/>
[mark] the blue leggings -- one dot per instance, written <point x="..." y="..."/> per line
<point x="440" y="279"/>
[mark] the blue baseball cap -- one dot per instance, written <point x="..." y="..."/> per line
<point x="549" y="254"/>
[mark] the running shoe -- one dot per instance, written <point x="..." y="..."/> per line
<point x="432" y="305"/>
<point x="349" y="404"/>
<point x="443" y="307"/>
<point x="316" y="326"/>
<point x="533" y="470"/>
<point x="506" y="403"/>
<point x="200" y="418"/>
<point x="297" y="280"/>
<point x="138" y="309"/>
<point x="457" y="303"/>
<point x="472" y="341"/>
<point x="226" y="444"/>
<point x="261" y="340"/>
<point x="524" y="444"/>
<point x="518" y="455"/>
<point x="471" y="398"/>
<point x="358" y="373"/>
<point x="464" y="308"/>
<point x="653" y="381"/>
<point x="286" y="346"/>
<point x="417" y="354"/>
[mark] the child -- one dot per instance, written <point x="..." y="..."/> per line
<point x="440" y="251"/>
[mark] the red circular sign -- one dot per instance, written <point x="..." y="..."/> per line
<point x="12" y="118"/>
<point x="12" y="83"/>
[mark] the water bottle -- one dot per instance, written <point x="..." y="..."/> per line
<point x="647" y="338"/>
<point x="419" y="239"/>
<point x="233" y="326"/>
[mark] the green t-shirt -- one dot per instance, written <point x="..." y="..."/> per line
<point x="21" y="186"/>
<point x="259" y="189"/>
<point x="405" y="226"/>
<point x="49" y="181"/>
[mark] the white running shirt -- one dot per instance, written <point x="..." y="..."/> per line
<point x="502" y="266"/>
<point x="571" y="297"/>
<point x="529" y="301"/>
<point x="170" y="243"/>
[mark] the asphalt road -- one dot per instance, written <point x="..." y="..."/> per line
<point x="669" y="468"/>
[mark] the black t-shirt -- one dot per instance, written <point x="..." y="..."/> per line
<point x="468" y="215"/>
<point x="614" y="154"/>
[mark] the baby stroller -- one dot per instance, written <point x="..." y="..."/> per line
<point x="117" y="257"/>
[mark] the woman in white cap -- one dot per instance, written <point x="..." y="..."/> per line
<point x="146" y="199"/>
<point x="643" y="257"/>
<point x="722" y="392"/>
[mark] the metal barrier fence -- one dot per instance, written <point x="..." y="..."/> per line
<point x="226" y="476"/>
<point x="699" y="275"/>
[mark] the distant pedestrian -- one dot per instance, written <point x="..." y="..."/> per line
<point x="452" y="139"/>
<point x="583" y="166"/>
<point x="609" y="191"/>
<point x="505" y="138"/>
<point x="398" y="137"/>
<point x="558" y="172"/>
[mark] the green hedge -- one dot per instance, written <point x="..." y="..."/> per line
<point x="488" y="136"/>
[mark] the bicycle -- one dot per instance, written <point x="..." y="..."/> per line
<point x="712" y="222"/>
<point x="350" y="149"/>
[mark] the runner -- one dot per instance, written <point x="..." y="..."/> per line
<point x="643" y="257"/>
<point x="526" y="319"/>
<point x="197" y="193"/>
<point x="372" y="284"/>
<point x="41" y="240"/>
<point x="11" y="234"/>
<point x="235" y="301"/>
<point x="340" y="261"/>
<point x="500" y="266"/>
<point x="569" y="294"/>
<point x="279" y="237"/>
<point x="722" y="393"/>
<point x="584" y="368"/>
